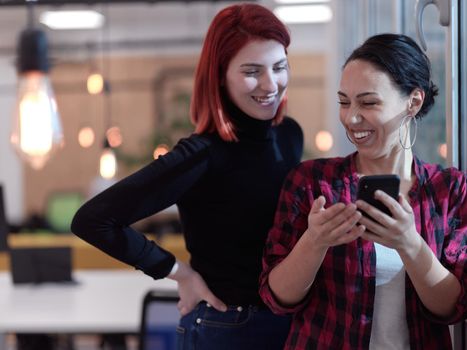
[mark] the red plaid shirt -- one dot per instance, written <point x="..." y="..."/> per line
<point x="337" y="312"/>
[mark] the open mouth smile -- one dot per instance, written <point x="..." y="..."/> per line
<point x="264" y="100"/>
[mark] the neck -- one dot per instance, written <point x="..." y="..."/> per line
<point x="246" y="126"/>
<point x="398" y="162"/>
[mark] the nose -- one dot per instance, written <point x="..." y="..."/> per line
<point x="268" y="82"/>
<point x="353" y="116"/>
<point x="356" y="118"/>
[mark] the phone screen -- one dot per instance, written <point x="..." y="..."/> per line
<point x="367" y="185"/>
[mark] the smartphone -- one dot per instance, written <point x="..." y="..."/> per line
<point x="367" y="185"/>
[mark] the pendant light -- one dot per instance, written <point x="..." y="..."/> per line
<point x="108" y="158"/>
<point x="37" y="131"/>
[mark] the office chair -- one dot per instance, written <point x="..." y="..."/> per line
<point x="159" y="321"/>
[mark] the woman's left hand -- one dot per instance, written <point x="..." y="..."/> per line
<point x="397" y="232"/>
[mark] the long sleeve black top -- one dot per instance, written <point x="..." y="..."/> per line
<point x="226" y="193"/>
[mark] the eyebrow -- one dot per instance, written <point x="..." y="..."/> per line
<point x="340" y="93"/>
<point x="284" y="60"/>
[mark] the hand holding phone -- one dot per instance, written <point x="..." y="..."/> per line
<point x="367" y="185"/>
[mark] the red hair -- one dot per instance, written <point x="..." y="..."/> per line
<point x="230" y="30"/>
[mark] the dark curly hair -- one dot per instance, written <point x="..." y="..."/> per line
<point x="399" y="56"/>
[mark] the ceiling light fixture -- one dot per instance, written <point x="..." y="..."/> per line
<point x="66" y="20"/>
<point x="290" y="2"/>
<point x="304" y="13"/>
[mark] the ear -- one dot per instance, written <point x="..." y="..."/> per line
<point x="416" y="98"/>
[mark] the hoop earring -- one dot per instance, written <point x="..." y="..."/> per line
<point x="403" y="121"/>
<point x="348" y="137"/>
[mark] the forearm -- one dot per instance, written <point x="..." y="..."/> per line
<point x="291" y="280"/>
<point x="432" y="281"/>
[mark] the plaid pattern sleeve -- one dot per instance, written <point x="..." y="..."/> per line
<point x="290" y="221"/>
<point x="289" y="224"/>
<point x="449" y="241"/>
<point x="455" y="252"/>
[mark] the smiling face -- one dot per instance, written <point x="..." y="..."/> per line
<point x="257" y="77"/>
<point x="371" y="109"/>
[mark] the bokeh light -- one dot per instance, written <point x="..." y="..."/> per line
<point x="324" y="140"/>
<point x="86" y="137"/>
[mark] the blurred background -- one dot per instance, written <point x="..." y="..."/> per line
<point x="142" y="55"/>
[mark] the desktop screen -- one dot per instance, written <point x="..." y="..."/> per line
<point x="3" y="223"/>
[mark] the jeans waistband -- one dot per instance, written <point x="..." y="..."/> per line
<point x="241" y="307"/>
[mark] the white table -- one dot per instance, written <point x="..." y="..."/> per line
<point x="103" y="301"/>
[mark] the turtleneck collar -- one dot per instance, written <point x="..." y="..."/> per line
<point x="247" y="127"/>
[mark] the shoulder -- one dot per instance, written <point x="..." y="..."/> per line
<point x="436" y="175"/>
<point x="194" y="143"/>
<point x="290" y="138"/>
<point x="444" y="183"/>
<point x="323" y="168"/>
<point x="290" y="126"/>
<point x="326" y="169"/>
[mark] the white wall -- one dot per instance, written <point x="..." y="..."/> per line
<point x="10" y="166"/>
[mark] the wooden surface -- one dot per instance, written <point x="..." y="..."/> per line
<point x="86" y="256"/>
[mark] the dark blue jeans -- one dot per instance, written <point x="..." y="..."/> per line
<point x="239" y="328"/>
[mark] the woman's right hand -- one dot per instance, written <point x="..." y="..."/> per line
<point x="192" y="289"/>
<point x="333" y="226"/>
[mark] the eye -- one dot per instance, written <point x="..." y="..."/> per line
<point x="369" y="103"/>
<point x="280" y="68"/>
<point x="343" y="103"/>
<point x="251" y="72"/>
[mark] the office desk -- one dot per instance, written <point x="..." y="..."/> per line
<point x="103" y="301"/>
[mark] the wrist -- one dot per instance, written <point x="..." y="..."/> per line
<point x="179" y="271"/>
<point x="174" y="270"/>
<point x="411" y="250"/>
<point x="312" y="244"/>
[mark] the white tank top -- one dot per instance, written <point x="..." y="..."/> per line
<point x="389" y="330"/>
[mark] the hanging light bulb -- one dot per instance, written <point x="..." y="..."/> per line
<point x="37" y="131"/>
<point x="107" y="162"/>
<point x="95" y="83"/>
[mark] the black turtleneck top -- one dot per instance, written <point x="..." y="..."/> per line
<point x="226" y="193"/>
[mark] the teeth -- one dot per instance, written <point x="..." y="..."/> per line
<point x="361" y="134"/>
<point x="267" y="99"/>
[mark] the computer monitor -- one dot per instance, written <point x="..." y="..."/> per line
<point x="41" y="264"/>
<point x="3" y="224"/>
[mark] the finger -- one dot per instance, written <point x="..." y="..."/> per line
<point x="215" y="302"/>
<point x="325" y="216"/>
<point x="182" y="308"/>
<point x="352" y="235"/>
<point x="347" y="223"/>
<point x="375" y="214"/>
<point x="183" y="311"/>
<point x="336" y="219"/>
<point x="318" y="204"/>
<point x="388" y="201"/>
<point x="404" y="204"/>
<point x="371" y="236"/>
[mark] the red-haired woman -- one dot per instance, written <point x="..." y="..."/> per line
<point x="225" y="180"/>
